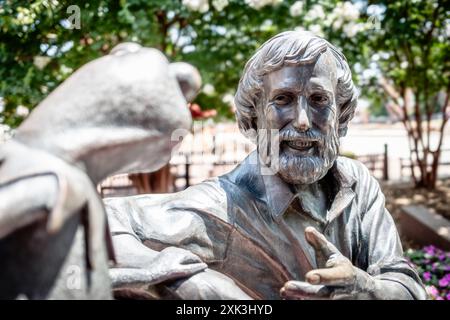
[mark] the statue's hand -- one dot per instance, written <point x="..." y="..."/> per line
<point x="169" y="264"/>
<point x="336" y="277"/>
<point x="174" y="262"/>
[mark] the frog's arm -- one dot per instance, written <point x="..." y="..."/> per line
<point x="25" y="200"/>
<point x="54" y="196"/>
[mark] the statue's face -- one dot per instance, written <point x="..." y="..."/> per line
<point x="299" y="101"/>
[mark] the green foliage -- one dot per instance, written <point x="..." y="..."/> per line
<point x="417" y="56"/>
<point x="38" y="49"/>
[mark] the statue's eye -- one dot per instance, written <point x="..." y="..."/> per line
<point x="282" y="99"/>
<point x="319" y="99"/>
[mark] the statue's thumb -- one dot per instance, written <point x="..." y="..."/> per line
<point x="321" y="245"/>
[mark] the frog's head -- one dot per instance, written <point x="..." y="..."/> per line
<point x="123" y="112"/>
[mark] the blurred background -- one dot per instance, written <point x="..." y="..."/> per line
<point x="398" y="51"/>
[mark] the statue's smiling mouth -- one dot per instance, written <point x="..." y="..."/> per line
<point x="304" y="147"/>
<point x="301" y="145"/>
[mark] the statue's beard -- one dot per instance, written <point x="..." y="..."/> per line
<point x="295" y="168"/>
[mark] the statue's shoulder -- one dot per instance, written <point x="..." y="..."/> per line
<point x="245" y="181"/>
<point x="214" y="196"/>
<point x="209" y="193"/>
<point x="148" y="213"/>
<point x="217" y="195"/>
<point x="354" y="168"/>
<point x="356" y="173"/>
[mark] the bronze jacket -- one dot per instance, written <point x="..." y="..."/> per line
<point x="251" y="227"/>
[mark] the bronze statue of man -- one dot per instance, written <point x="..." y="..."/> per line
<point x="293" y="220"/>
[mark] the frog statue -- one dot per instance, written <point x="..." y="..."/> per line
<point x="115" y="114"/>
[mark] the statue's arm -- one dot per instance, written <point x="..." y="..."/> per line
<point x="206" y="285"/>
<point x="393" y="277"/>
<point x="339" y="278"/>
<point x="136" y="263"/>
<point x="139" y="265"/>
<point x="378" y="269"/>
<point x="171" y="222"/>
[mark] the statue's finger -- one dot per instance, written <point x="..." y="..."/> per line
<point x="320" y="243"/>
<point x="121" y="277"/>
<point x="343" y="296"/>
<point x="300" y="290"/>
<point x="185" y="270"/>
<point x="337" y="276"/>
<point x="180" y="255"/>
<point x="194" y="267"/>
<point x="190" y="259"/>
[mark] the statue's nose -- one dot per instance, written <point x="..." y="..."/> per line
<point x="301" y="121"/>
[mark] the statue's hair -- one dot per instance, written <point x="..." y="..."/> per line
<point x="292" y="48"/>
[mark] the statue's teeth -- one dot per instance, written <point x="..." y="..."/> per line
<point x="302" y="144"/>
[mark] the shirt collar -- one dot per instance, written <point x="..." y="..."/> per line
<point x="279" y="195"/>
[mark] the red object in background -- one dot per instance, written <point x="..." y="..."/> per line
<point x="197" y="113"/>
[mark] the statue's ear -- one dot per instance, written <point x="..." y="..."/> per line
<point x="248" y="126"/>
<point x="346" y="113"/>
<point x="188" y="78"/>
